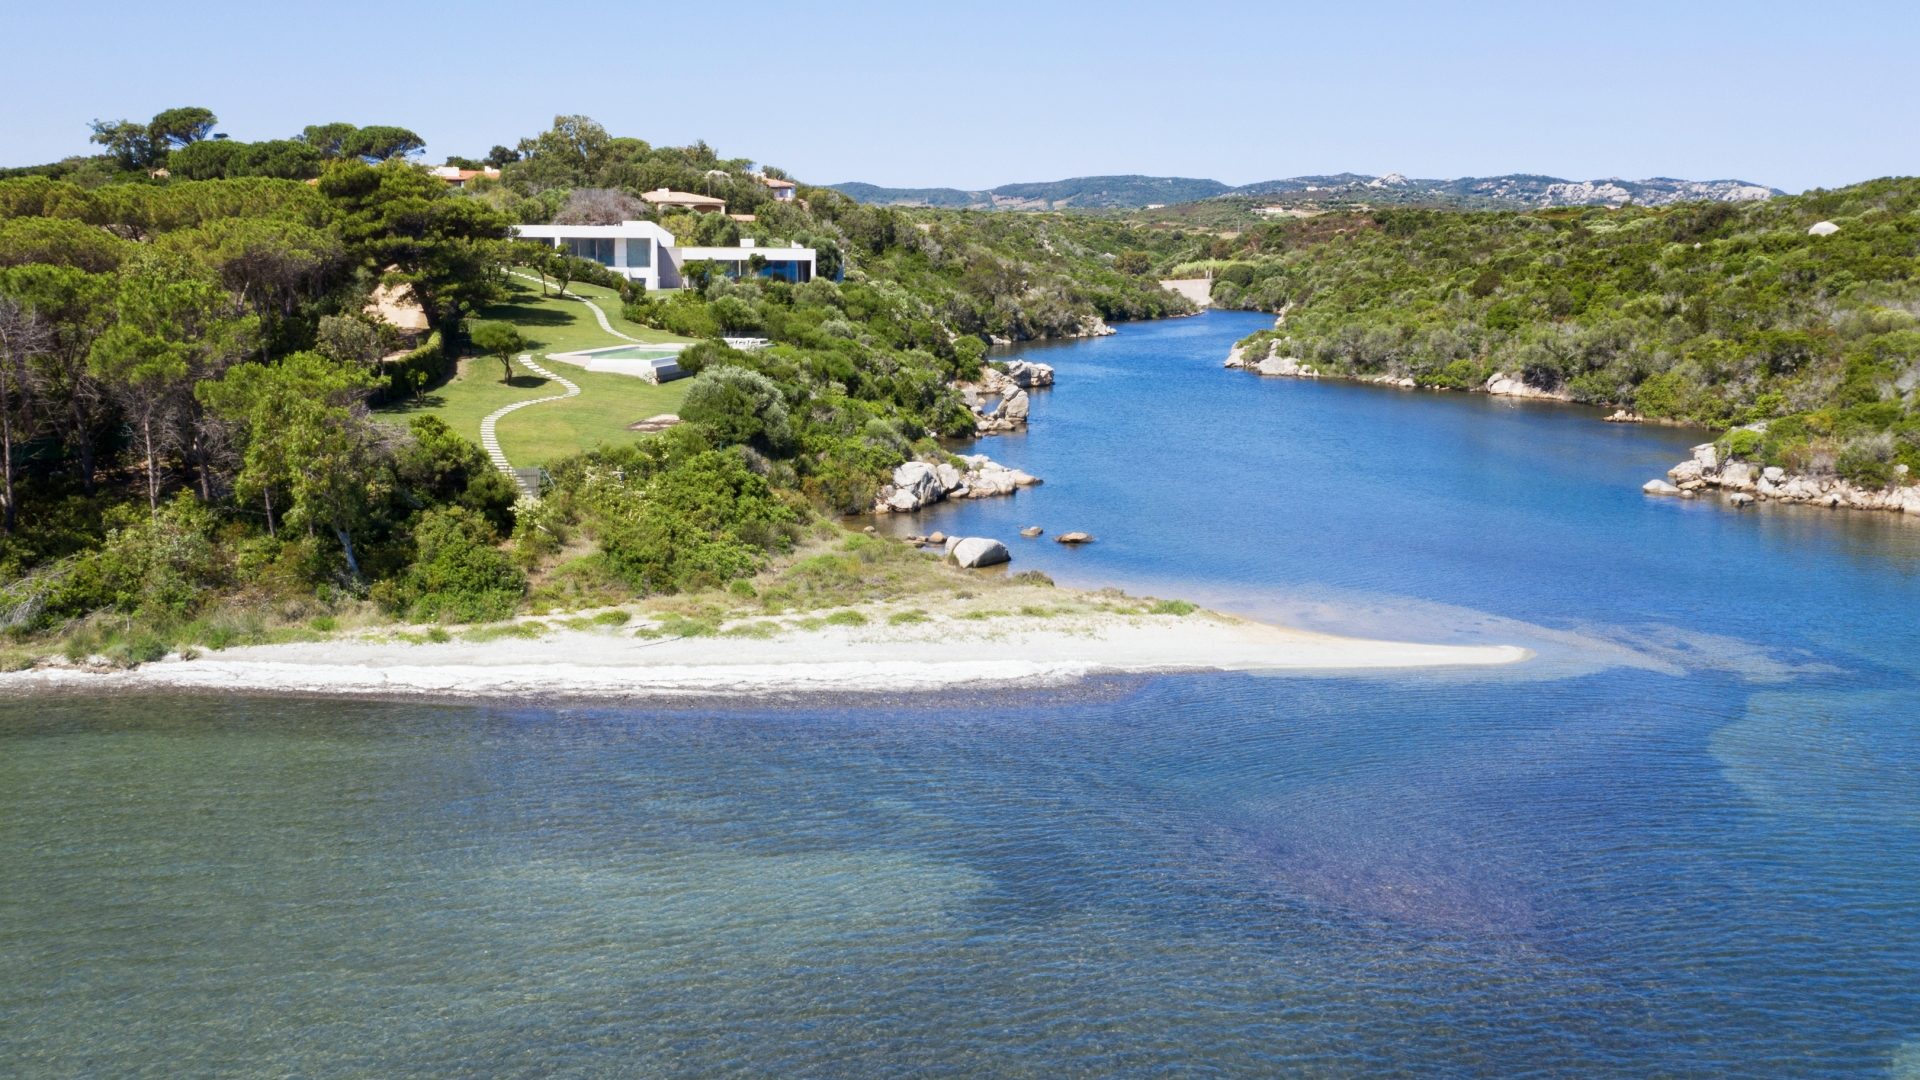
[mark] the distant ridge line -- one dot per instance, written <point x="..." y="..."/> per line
<point x="1133" y="191"/>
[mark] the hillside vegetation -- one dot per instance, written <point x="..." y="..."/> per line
<point x="1721" y="314"/>
<point x="188" y="378"/>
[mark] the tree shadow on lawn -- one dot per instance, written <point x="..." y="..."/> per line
<point x="527" y="382"/>
<point x="527" y="316"/>
<point x="426" y="402"/>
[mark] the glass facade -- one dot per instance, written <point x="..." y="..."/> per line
<point x="639" y="252"/>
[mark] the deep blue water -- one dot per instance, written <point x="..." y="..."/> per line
<point x="1685" y="840"/>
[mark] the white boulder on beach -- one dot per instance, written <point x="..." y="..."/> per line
<point x="973" y="552"/>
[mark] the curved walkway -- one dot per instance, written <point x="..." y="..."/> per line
<point x="599" y="316"/>
<point x="490" y="439"/>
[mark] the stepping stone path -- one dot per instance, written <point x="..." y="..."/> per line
<point x="490" y="439"/>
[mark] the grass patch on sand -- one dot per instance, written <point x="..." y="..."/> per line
<point x="836" y="578"/>
<point x="674" y="624"/>
<point x="599" y="621"/>
<point x="498" y="631"/>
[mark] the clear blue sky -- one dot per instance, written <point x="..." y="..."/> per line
<point x="972" y="95"/>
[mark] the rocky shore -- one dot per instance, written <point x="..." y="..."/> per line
<point x="999" y="399"/>
<point x="1094" y="326"/>
<point x="918" y="484"/>
<point x="1499" y="384"/>
<point x="1745" y="483"/>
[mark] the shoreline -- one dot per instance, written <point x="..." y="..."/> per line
<point x="881" y="655"/>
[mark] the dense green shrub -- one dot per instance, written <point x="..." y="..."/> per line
<point x="405" y="376"/>
<point x="739" y="407"/>
<point x="1867" y="461"/>
<point x="158" y="567"/>
<point x="439" y="466"/>
<point x="699" y="523"/>
<point x="459" y="573"/>
<point x="1743" y="442"/>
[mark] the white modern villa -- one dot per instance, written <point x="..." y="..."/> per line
<point x="645" y="253"/>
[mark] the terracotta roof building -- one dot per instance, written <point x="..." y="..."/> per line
<point x="458" y="177"/>
<point x="685" y="200"/>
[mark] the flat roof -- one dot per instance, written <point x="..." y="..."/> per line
<point x="629" y="229"/>
<point x="771" y="254"/>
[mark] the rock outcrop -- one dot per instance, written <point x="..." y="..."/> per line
<point x="1265" y="363"/>
<point x="1026" y="374"/>
<point x="918" y="484"/>
<point x="1500" y="384"/>
<point x="1745" y="483"/>
<point x="1074" y="538"/>
<point x="915" y="484"/>
<point x="1007" y="392"/>
<point x="654" y="423"/>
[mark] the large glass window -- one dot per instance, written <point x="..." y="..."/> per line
<point x="639" y="252"/>
<point x="597" y="248"/>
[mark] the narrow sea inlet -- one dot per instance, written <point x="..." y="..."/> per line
<point x="1683" y="840"/>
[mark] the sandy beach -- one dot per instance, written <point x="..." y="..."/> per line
<point x="620" y="662"/>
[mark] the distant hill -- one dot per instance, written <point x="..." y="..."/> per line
<point x="1132" y="192"/>
<point x="1079" y="193"/>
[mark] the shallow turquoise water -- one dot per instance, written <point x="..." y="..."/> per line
<point x="1684" y="841"/>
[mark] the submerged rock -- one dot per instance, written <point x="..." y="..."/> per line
<point x="1074" y="538"/>
<point x="1031" y="531"/>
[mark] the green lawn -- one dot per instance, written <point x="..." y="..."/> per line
<point x="556" y="325"/>
<point x="546" y="432"/>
